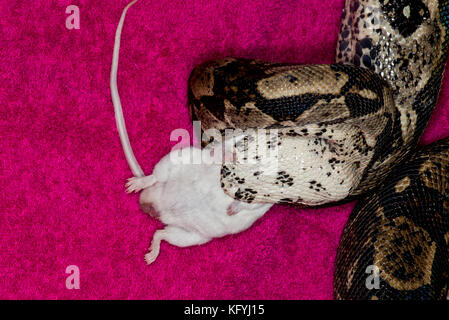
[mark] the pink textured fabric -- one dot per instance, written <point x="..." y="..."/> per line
<point x="63" y="170"/>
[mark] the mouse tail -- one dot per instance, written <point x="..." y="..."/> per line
<point x="120" y="120"/>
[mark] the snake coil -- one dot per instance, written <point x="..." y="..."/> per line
<point x="341" y="131"/>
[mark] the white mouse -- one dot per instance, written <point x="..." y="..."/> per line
<point x="185" y="196"/>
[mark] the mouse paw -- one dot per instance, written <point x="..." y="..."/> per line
<point x="135" y="184"/>
<point x="151" y="256"/>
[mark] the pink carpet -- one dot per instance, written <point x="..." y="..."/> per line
<point x="63" y="170"/>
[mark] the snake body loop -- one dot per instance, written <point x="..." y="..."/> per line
<point x="400" y="230"/>
<point x="400" y="233"/>
<point x="340" y="132"/>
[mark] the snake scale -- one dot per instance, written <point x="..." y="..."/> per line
<point x="340" y="132"/>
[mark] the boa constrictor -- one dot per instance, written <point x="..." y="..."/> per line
<point x="340" y="131"/>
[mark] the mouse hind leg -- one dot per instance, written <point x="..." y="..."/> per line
<point x="176" y="236"/>
<point x="136" y="184"/>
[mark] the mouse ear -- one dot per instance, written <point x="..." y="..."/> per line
<point x="238" y="206"/>
<point x="234" y="207"/>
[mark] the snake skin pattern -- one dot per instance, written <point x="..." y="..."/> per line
<point x="402" y="230"/>
<point x="339" y="131"/>
<point x="330" y="120"/>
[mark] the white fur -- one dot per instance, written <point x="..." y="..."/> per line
<point x="187" y="197"/>
<point x="190" y="202"/>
